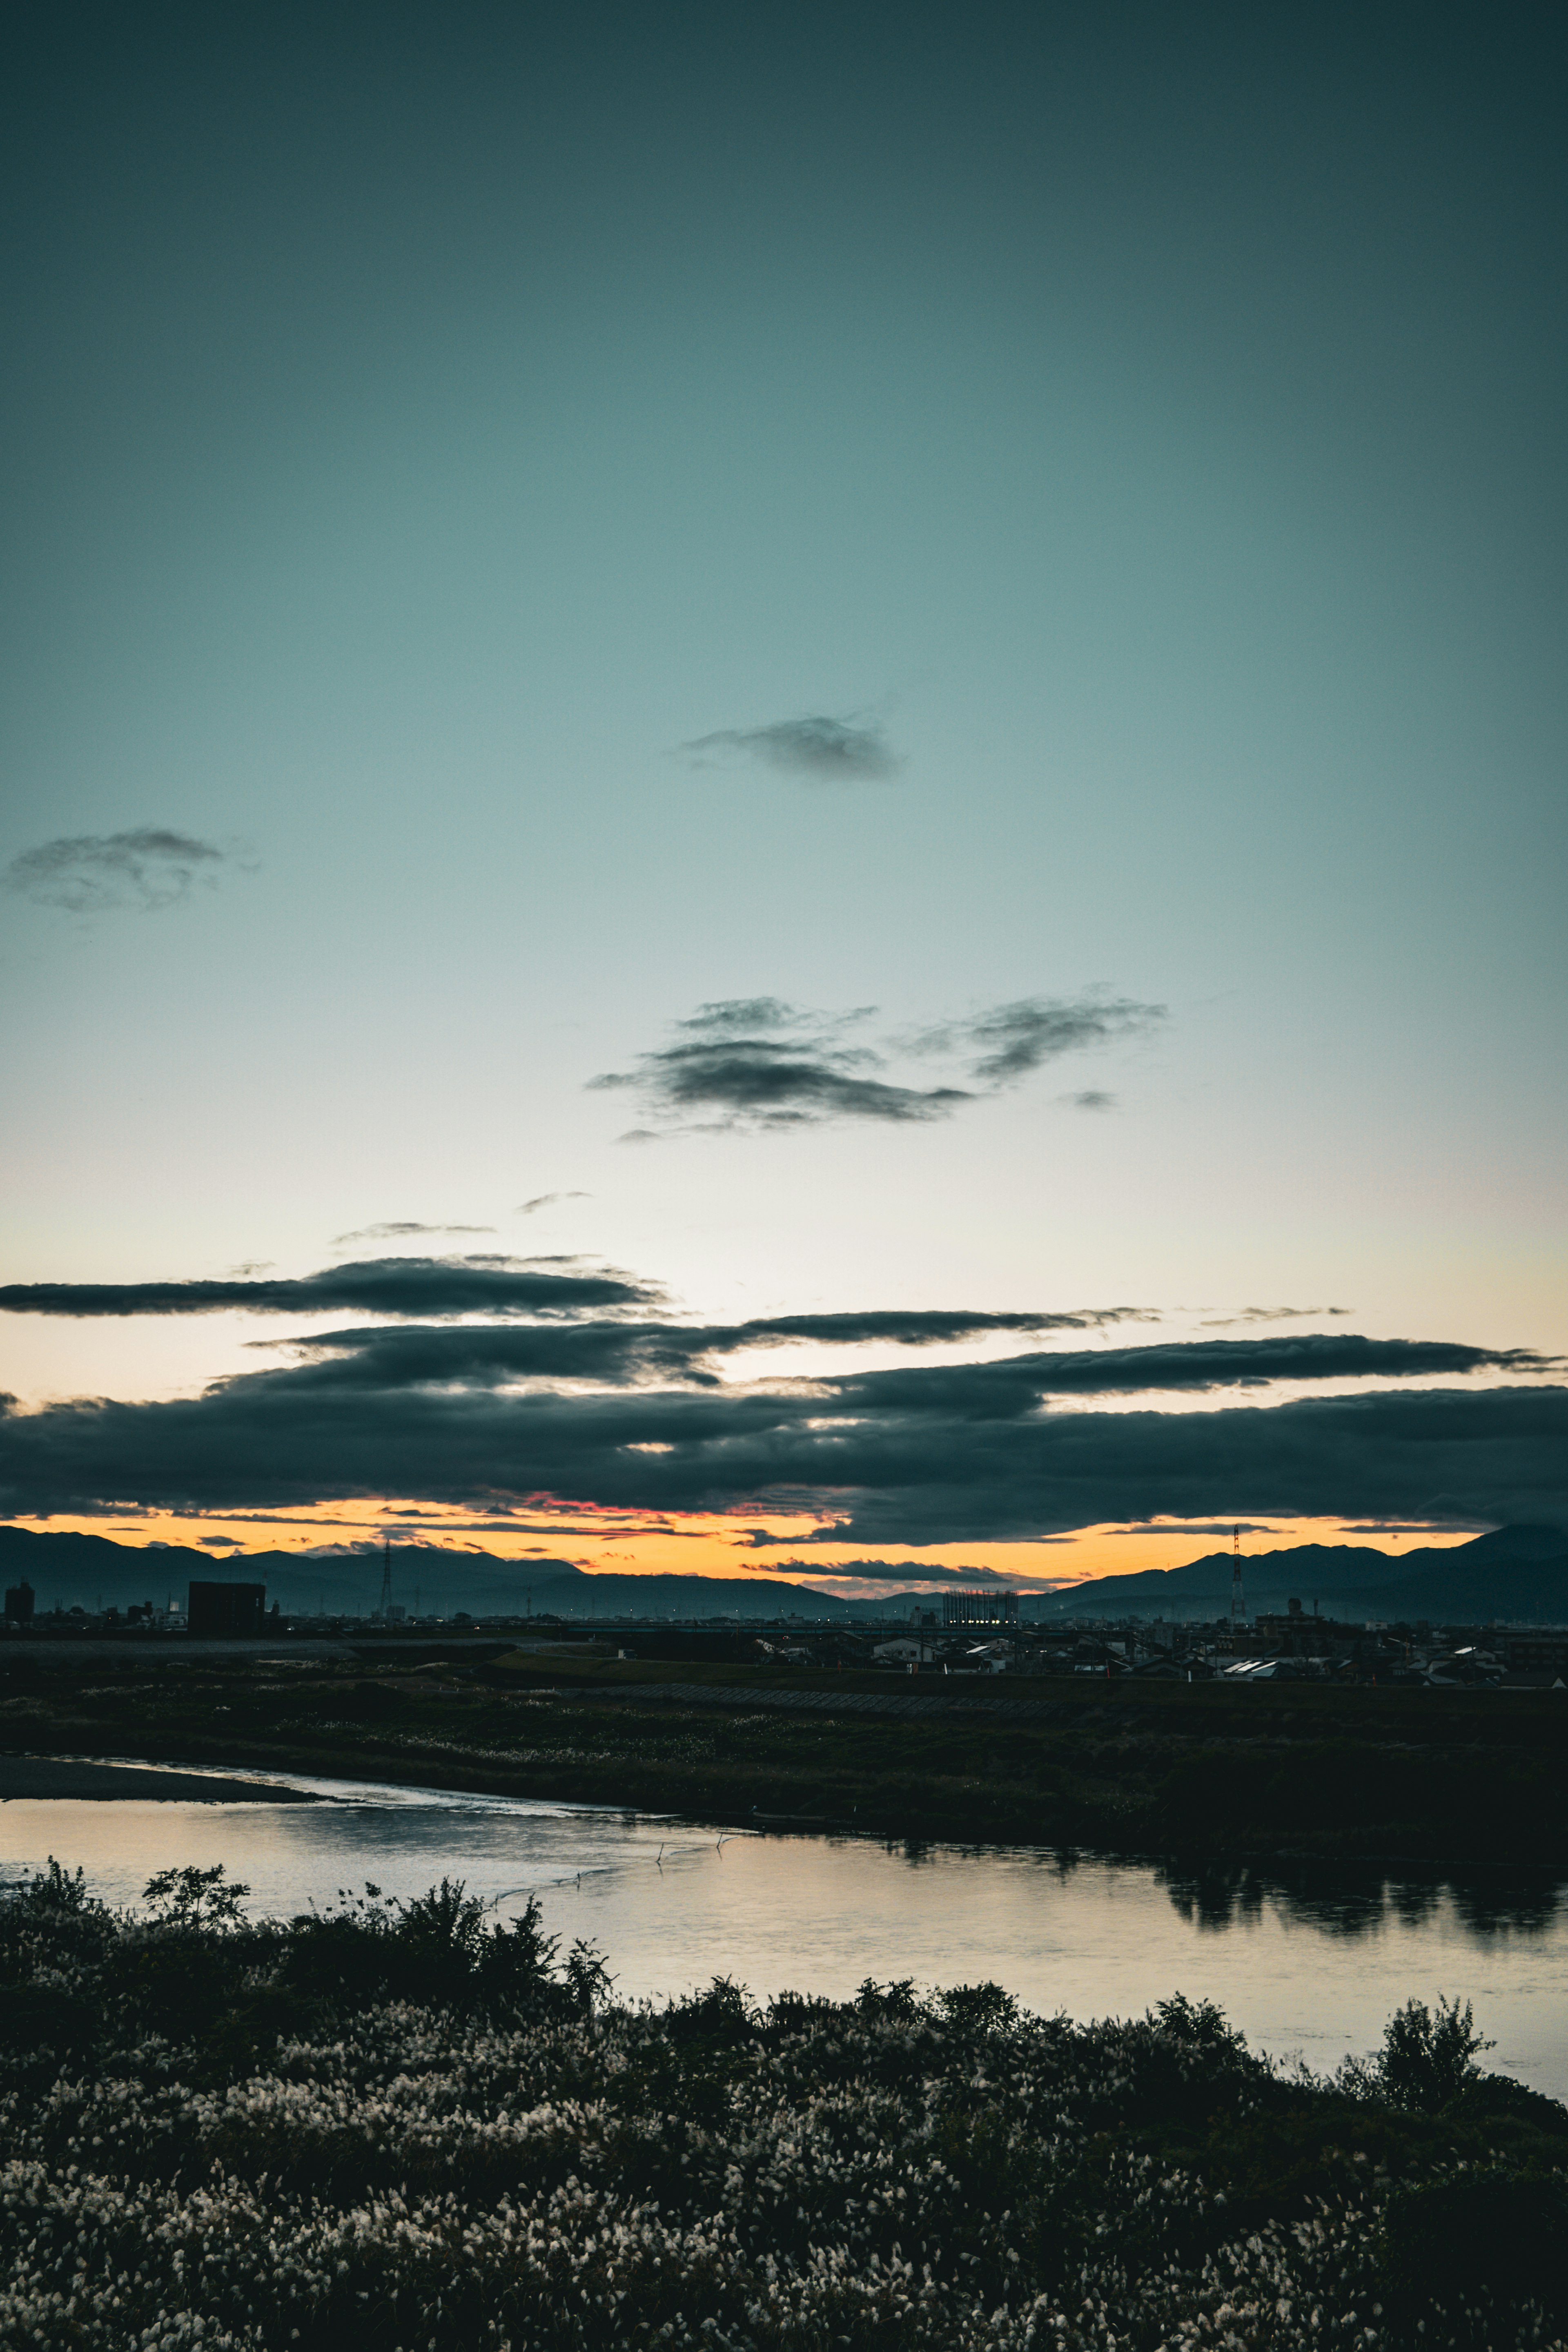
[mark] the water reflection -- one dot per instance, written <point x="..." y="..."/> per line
<point x="1503" y="1905"/>
<point x="1304" y="1957"/>
<point x="1413" y="1901"/>
<point x="1351" y="1899"/>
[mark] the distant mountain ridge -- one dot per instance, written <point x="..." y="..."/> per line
<point x="1517" y="1574"/>
<point x="1514" y="1573"/>
<point x="89" y="1571"/>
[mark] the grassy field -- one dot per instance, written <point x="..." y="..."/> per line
<point x="1298" y="1770"/>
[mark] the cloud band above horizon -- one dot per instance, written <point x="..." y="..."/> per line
<point x="632" y="1415"/>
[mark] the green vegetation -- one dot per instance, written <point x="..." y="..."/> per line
<point x="391" y="2128"/>
<point x="1151" y="1769"/>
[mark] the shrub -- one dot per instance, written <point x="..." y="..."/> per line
<point x="195" y="1898"/>
<point x="306" y="2155"/>
<point x="1426" y="2061"/>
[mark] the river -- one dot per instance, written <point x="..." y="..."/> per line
<point x="1307" y="1961"/>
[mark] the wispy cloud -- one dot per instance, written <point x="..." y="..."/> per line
<point x="824" y="750"/>
<point x="629" y="1353"/>
<point x="1269" y="1315"/>
<point x="547" y="1201"/>
<point x="1411" y="1526"/>
<point x="757" y="1063"/>
<point x="400" y="1228"/>
<point x="392" y="1286"/>
<point x="99" y="873"/>
<point x="895" y="1576"/>
<point x="1224" y="1527"/>
<point x="1008" y="1042"/>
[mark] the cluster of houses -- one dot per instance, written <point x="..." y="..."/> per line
<point x="970" y="1634"/>
<point x="1293" y="1647"/>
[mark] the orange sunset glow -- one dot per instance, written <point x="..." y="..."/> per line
<point x="629" y="1544"/>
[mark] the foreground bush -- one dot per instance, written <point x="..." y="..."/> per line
<point x="390" y="2126"/>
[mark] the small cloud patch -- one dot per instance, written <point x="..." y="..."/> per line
<point x="823" y="751"/>
<point x="1008" y="1042"/>
<point x="1269" y="1315"/>
<point x="94" y="874"/>
<point x="401" y="1228"/>
<point x="757" y="1063"/>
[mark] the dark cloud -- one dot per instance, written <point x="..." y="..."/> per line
<point x="925" y="1327"/>
<point x="477" y="1356"/>
<point x="891" y="1572"/>
<point x="1009" y="1040"/>
<point x="757" y="1063"/>
<point x="96" y="873"/>
<point x="623" y="1353"/>
<point x="903" y="1477"/>
<point x="1092" y="1098"/>
<point x="922" y="1455"/>
<point x="826" y="750"/>
<point x="1016" y="1384"/>
<point x="399" y="1230"/>
<point x="391" y="1286"/>
<point x="547" y="1201"/>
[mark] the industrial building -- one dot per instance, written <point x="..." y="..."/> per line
<point x="963" y="1610"/>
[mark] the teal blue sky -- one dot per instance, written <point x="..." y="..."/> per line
<point x="1141" y="432"/>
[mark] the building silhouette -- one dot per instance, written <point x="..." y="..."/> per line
<point x="965" y="1609"/>
<point x="231" y="1608"/>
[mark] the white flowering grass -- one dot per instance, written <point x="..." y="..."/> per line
<point x="219" y="2136"/>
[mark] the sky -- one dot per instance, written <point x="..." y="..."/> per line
<point x="880" y="689"/>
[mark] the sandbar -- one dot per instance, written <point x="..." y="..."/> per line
<point x="56" y="1776"/>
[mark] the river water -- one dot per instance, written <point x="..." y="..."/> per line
<point x="1310" y="1961"/>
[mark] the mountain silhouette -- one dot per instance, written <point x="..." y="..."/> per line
<point x="1512" y="1574"/>
<point x="84" y="1570"/>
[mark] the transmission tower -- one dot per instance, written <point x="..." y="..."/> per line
<point x="1237" y="1605"/>
<point x="384" y="1611"/>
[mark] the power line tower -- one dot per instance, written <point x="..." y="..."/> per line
<point x="384" y="1611"/>
<point x="1237" y="1605"/>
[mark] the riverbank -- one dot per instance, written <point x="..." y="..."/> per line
<point x="389" y="2127"/>
<point x="47" y="1776"/>
<point x="1456" y="1778"/>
